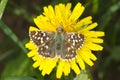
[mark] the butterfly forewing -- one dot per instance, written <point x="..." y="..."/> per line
<point x="44" y="41"/>
<point x="72" y="42"/>
<point x="41" y="37"/>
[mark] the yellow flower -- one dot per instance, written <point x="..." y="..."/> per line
<point x="61" y="14"/>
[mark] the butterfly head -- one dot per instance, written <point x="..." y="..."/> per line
<point x="59" y="29"/>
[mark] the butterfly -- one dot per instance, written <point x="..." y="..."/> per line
<point x="60" y="44"/>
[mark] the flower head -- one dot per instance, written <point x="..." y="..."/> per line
<point x="49" y="21"/>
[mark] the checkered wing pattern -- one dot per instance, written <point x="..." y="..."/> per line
<point x="72" y="43"/>
<point x="44" y="41"/>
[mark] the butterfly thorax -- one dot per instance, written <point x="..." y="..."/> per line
<point x="59" y="40"/>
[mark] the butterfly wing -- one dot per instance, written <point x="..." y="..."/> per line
<point x="40" y="38"/>
<point x="72" y="42"/>
<point x="45" y="42"/>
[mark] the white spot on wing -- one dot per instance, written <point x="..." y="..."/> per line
<point x="68" y="48"/>
<point x="38" y="38"/>
<point x="41" y="48"/>
<point x="46" y="46"/>
<point x="41" y="38"/>
<point x="72" y="36"/>
<point x="73" y="44"/>
<point x="47" y="38"/>
<point x="79" y="36"/>
<point x="41" y="41"/>
<point x="76" y="40"/>
<point x="44" y="34"/>
<point x="69" y="40"/>
<point x="33" y="36"/>
<point x="36" y="33"/>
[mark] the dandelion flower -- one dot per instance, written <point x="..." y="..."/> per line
<point x="63" y="41"/>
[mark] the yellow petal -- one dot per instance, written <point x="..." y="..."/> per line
<point x="92" y="56"/>
<point x="87" y="59"/>
<point x="40" y="22"/>
<point x="61" y="8"/>
<point x="83" y="22"/>
<point x="38" y="60"/>
<point x="32" y="53"/>
<point x="36" y="64"/>
<point x="93" y="25"/>
<point x="80" y="62"/>
<point x="67" y="11"/>
<point x="68" y="6"/>
<point x="84" y="55"/>
<point x="46" y="11"/>
<point x="76" y="13"/>
<point x="44" y="23"/>
<point x="43" y="61"/>
<point x="94" y="33"/>
<point x="52" y="65"/>
<point x="94" y="47"/>
<point x="52" y="16"/>
<point x="59" y="14"/>
<point x="48" y="66"/>
<point x="33" y="29"/>
<point x="66" y="68"/>
<point x="75" y="67"/>
<point x="96" y="40"/>
<point x="60" y="69"/>
<point x="46" y="69"/>
<point x="36" y="57"/>
<point x="30" y="45"/>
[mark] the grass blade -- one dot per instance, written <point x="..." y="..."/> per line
<point x="9" y="33"/>
<point x="2" y="7"/>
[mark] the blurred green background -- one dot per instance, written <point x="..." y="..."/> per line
<point x="18" y="16"/>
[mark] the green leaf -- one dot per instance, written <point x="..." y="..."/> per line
<point x="82" y="76"/>
<point x="2" y="7"/>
